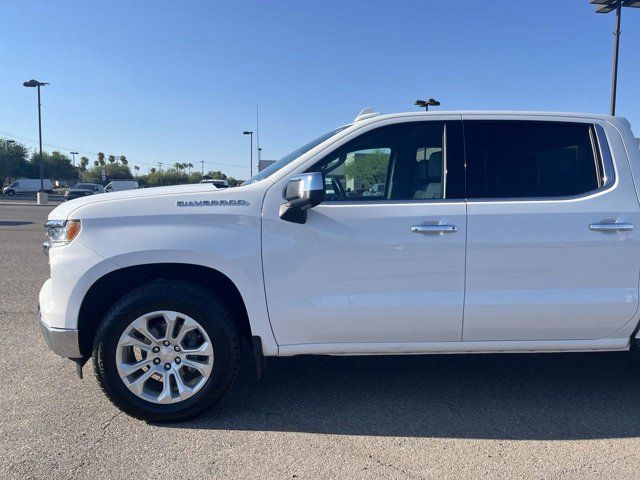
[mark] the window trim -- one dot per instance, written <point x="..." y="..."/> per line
<point x="601" y="153"/>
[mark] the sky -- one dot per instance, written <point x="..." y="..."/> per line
<point x="179" y="81"/>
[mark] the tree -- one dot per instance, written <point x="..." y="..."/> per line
<point x="55" y="166"/>
<point x="137" y="169"/>
<point x="189" y="166"/>
<point x="116" y="172"/>
<point x="13" y="160"/>
<point x="177" y="166"/>
<point x="84" y="161"/>
<point x="101" y="158"/>
<point x="217" y="175"/>
<point x="367" y="168"/>
<point x="112" y="159"/>
<point x="153" y="170"/>
<point x="123" y="160"/>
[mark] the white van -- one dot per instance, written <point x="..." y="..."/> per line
<point x="119" y="185"/>
<point x="27" y="185"/>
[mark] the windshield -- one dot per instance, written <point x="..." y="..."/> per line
<point x="287" y="159"/>
<point x="85" y="186"/>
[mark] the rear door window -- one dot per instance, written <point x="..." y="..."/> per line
<point x="516" y="159"/>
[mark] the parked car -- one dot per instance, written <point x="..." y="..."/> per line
<point x="216" y="183"/>
<point x="82" y="190"/>
<point x="119" y="185"/>
<point x="27" y="185"/>
<point x="525" y="242"/>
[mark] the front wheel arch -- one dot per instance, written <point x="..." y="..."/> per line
<point x="109" y="288"/>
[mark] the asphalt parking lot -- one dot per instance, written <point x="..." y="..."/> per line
<point x="571" y="416"/>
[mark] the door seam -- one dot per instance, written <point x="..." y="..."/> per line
<point x="464" y="284"/>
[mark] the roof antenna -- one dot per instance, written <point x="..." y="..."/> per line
<point x="432" y="102"/>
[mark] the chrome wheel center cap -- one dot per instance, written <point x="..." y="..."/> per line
<point x="166" y="354"/>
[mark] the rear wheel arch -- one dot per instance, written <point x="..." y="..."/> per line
<point x="109" y="288"/>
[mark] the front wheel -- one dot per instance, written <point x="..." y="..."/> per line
<point x="166" y="351"/>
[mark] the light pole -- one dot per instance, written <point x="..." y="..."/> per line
<point x="427" y="103"/>
<point x="606" y="6"/>
<point x="31" y="84"/>
<point x="10" y="144"/>
<point x="250" y="133"/>
<point x="73" y="154"/>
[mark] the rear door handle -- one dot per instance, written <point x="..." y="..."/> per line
<point x="439" y="229"/>
<point x="611" y="227"/>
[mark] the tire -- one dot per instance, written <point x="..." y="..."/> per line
<point x="192" y="302"/>
<point x="11" y="193"/>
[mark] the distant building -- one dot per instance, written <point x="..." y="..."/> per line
<point x="262" y="164"/>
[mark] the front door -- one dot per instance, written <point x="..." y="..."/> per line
<point x="551" y="254"/>
<point x="383" y="258"/>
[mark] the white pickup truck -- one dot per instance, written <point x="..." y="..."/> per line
<point x="427" y="232"/>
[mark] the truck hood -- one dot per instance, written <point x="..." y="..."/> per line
<point x="62" y="211"/>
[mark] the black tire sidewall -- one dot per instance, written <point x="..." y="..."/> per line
<point x="209" y="312"/>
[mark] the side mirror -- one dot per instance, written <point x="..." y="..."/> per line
<point x="302" y="193"/>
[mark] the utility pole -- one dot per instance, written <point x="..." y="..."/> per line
<point x="606" y="6"/>
<point x="258" y="136"/>
<point x="73" y="154"/>
<point x="616" y="49"/>
<point x="250" y="133"/>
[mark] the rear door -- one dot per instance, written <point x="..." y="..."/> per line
<point x="551" y="250"/>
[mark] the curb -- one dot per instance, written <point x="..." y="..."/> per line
<point x="30" y="204"/>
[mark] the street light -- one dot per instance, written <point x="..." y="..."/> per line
<point x="31" y="84"/>
<point x="250" y="133"/>
<point x="73" y="154"/>
<point x="606" y="6"/>
<point x="427" y="103"/>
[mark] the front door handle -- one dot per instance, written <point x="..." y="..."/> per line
<point x="439" y="229"/>
<point x="611" y="227"/>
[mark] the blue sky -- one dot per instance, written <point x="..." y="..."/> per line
<point x="175" y="81"/>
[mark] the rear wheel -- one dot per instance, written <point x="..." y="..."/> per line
<point x="11" y="193"/>
<point x="166" y="351"/>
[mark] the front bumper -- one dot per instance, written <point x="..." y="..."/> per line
<point x="64" y="342"/>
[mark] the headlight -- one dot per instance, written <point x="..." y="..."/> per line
<point x="61" y="232"/>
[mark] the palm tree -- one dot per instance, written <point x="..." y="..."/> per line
<point x="100" y="158"/>
<point x="137" y="169"/>
<point x="153" y="170"/>
<point x="178" y="166"/>
<point x="84" y="161"/>
<point x="189" y="166"/>
<point x="96" y="163"/>
<point x="112" y="158"/>
<point x="123" y="160"/>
